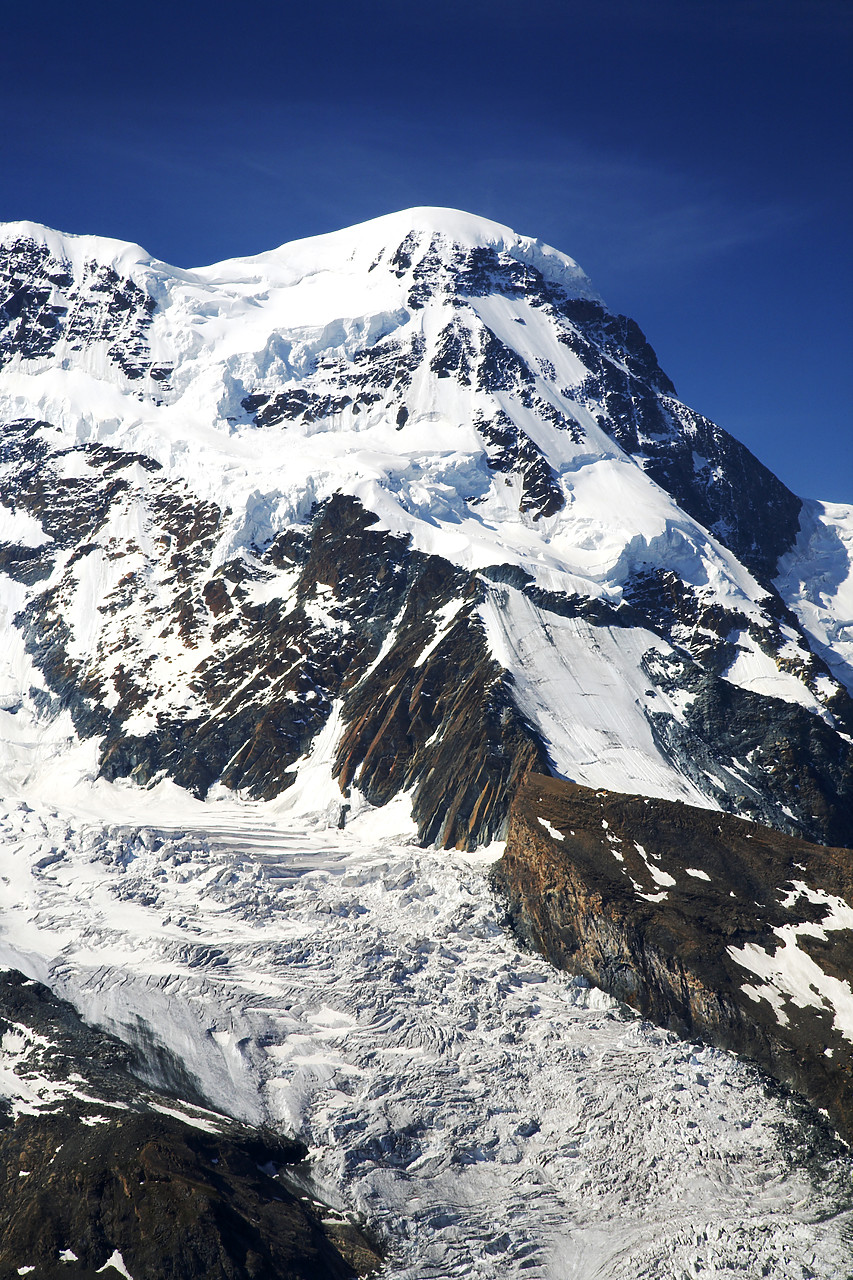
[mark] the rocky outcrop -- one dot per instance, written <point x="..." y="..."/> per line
<point x="708" y="472"/>
<point x="712" y="926"/>
<point x="458" y="743"/>
<point x="45" y="306"/>
<point x="98" y="1167"/>
<point x="773" y="761"/>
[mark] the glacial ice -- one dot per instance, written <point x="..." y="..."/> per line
<point x="486" y="1114"/>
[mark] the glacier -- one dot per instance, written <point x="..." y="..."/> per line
<point x="486" y="1114"/>
<point x="304" y="955"/>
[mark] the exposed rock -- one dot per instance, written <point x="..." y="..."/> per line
<point x="97" y="1165"/>
<point x="510" y="451"/>
<point x="708" y="472"/>
<point x="712" y="926"/>
<point x="277" y="667"/>
<point x="772" y="761"/>
<point x="461" y="744"/>
<point x="43" y="304"/>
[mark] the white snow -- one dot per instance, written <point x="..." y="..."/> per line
<point x="27" y="1088"/>
<point x="354" y="248"/>
<point x="757" y="671"/>
<point x="584" y="689"/>
<point x="20" y="527"/>
<point x="660" y="877"/>
<point x="115" y="1262"/>
<point x="195" y="1121"/>
<point x="790" y="974"/>
<point x="445" y="615"/>
<point x="816" y="581"/>
<point x="795" y="977"/>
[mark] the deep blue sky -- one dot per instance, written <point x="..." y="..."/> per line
<point x="694" y="156"/>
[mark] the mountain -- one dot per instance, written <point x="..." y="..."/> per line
<point x="404" y="519"/>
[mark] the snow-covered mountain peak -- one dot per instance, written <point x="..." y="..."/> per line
<point x="430" y="376"/>
<point x="312" y="558"/>
<point x="408" y="234"/>
<point x="77" y="250"/>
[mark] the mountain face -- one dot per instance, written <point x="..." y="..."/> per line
<point x="248" y="503"/>
<point x="678" y="912"/>
<point x="405" y="514"/>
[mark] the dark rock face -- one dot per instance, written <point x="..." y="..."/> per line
<point x="510" y="450"/>
<point x="770" y="760"/>
<point x="712" y="476"/>
<point x="679" y="911"/>
<point x="277" y="668"/>
<point x="106" y="1165"/>
<point x="460" y="743"/>
<point x="42" y="303"/>
<point x="721" y="484"/>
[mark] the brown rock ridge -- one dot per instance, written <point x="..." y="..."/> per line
<point x="665" y="907"/>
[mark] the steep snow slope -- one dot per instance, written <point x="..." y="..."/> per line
<point x="816" y="579"/>
<point x="173" y="435"/>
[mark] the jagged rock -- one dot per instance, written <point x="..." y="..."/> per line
<point x="45" y="304"/>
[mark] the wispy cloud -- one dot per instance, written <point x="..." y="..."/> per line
<point x="263" y="173"/>
<point x="645" y="216"/>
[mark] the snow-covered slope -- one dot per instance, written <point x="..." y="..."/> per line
<point x="816" y="580"/>
<point x="307" y="560"/>
<point x="173" y="437"/>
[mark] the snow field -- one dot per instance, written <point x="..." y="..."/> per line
<point x="584" y="689"/>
